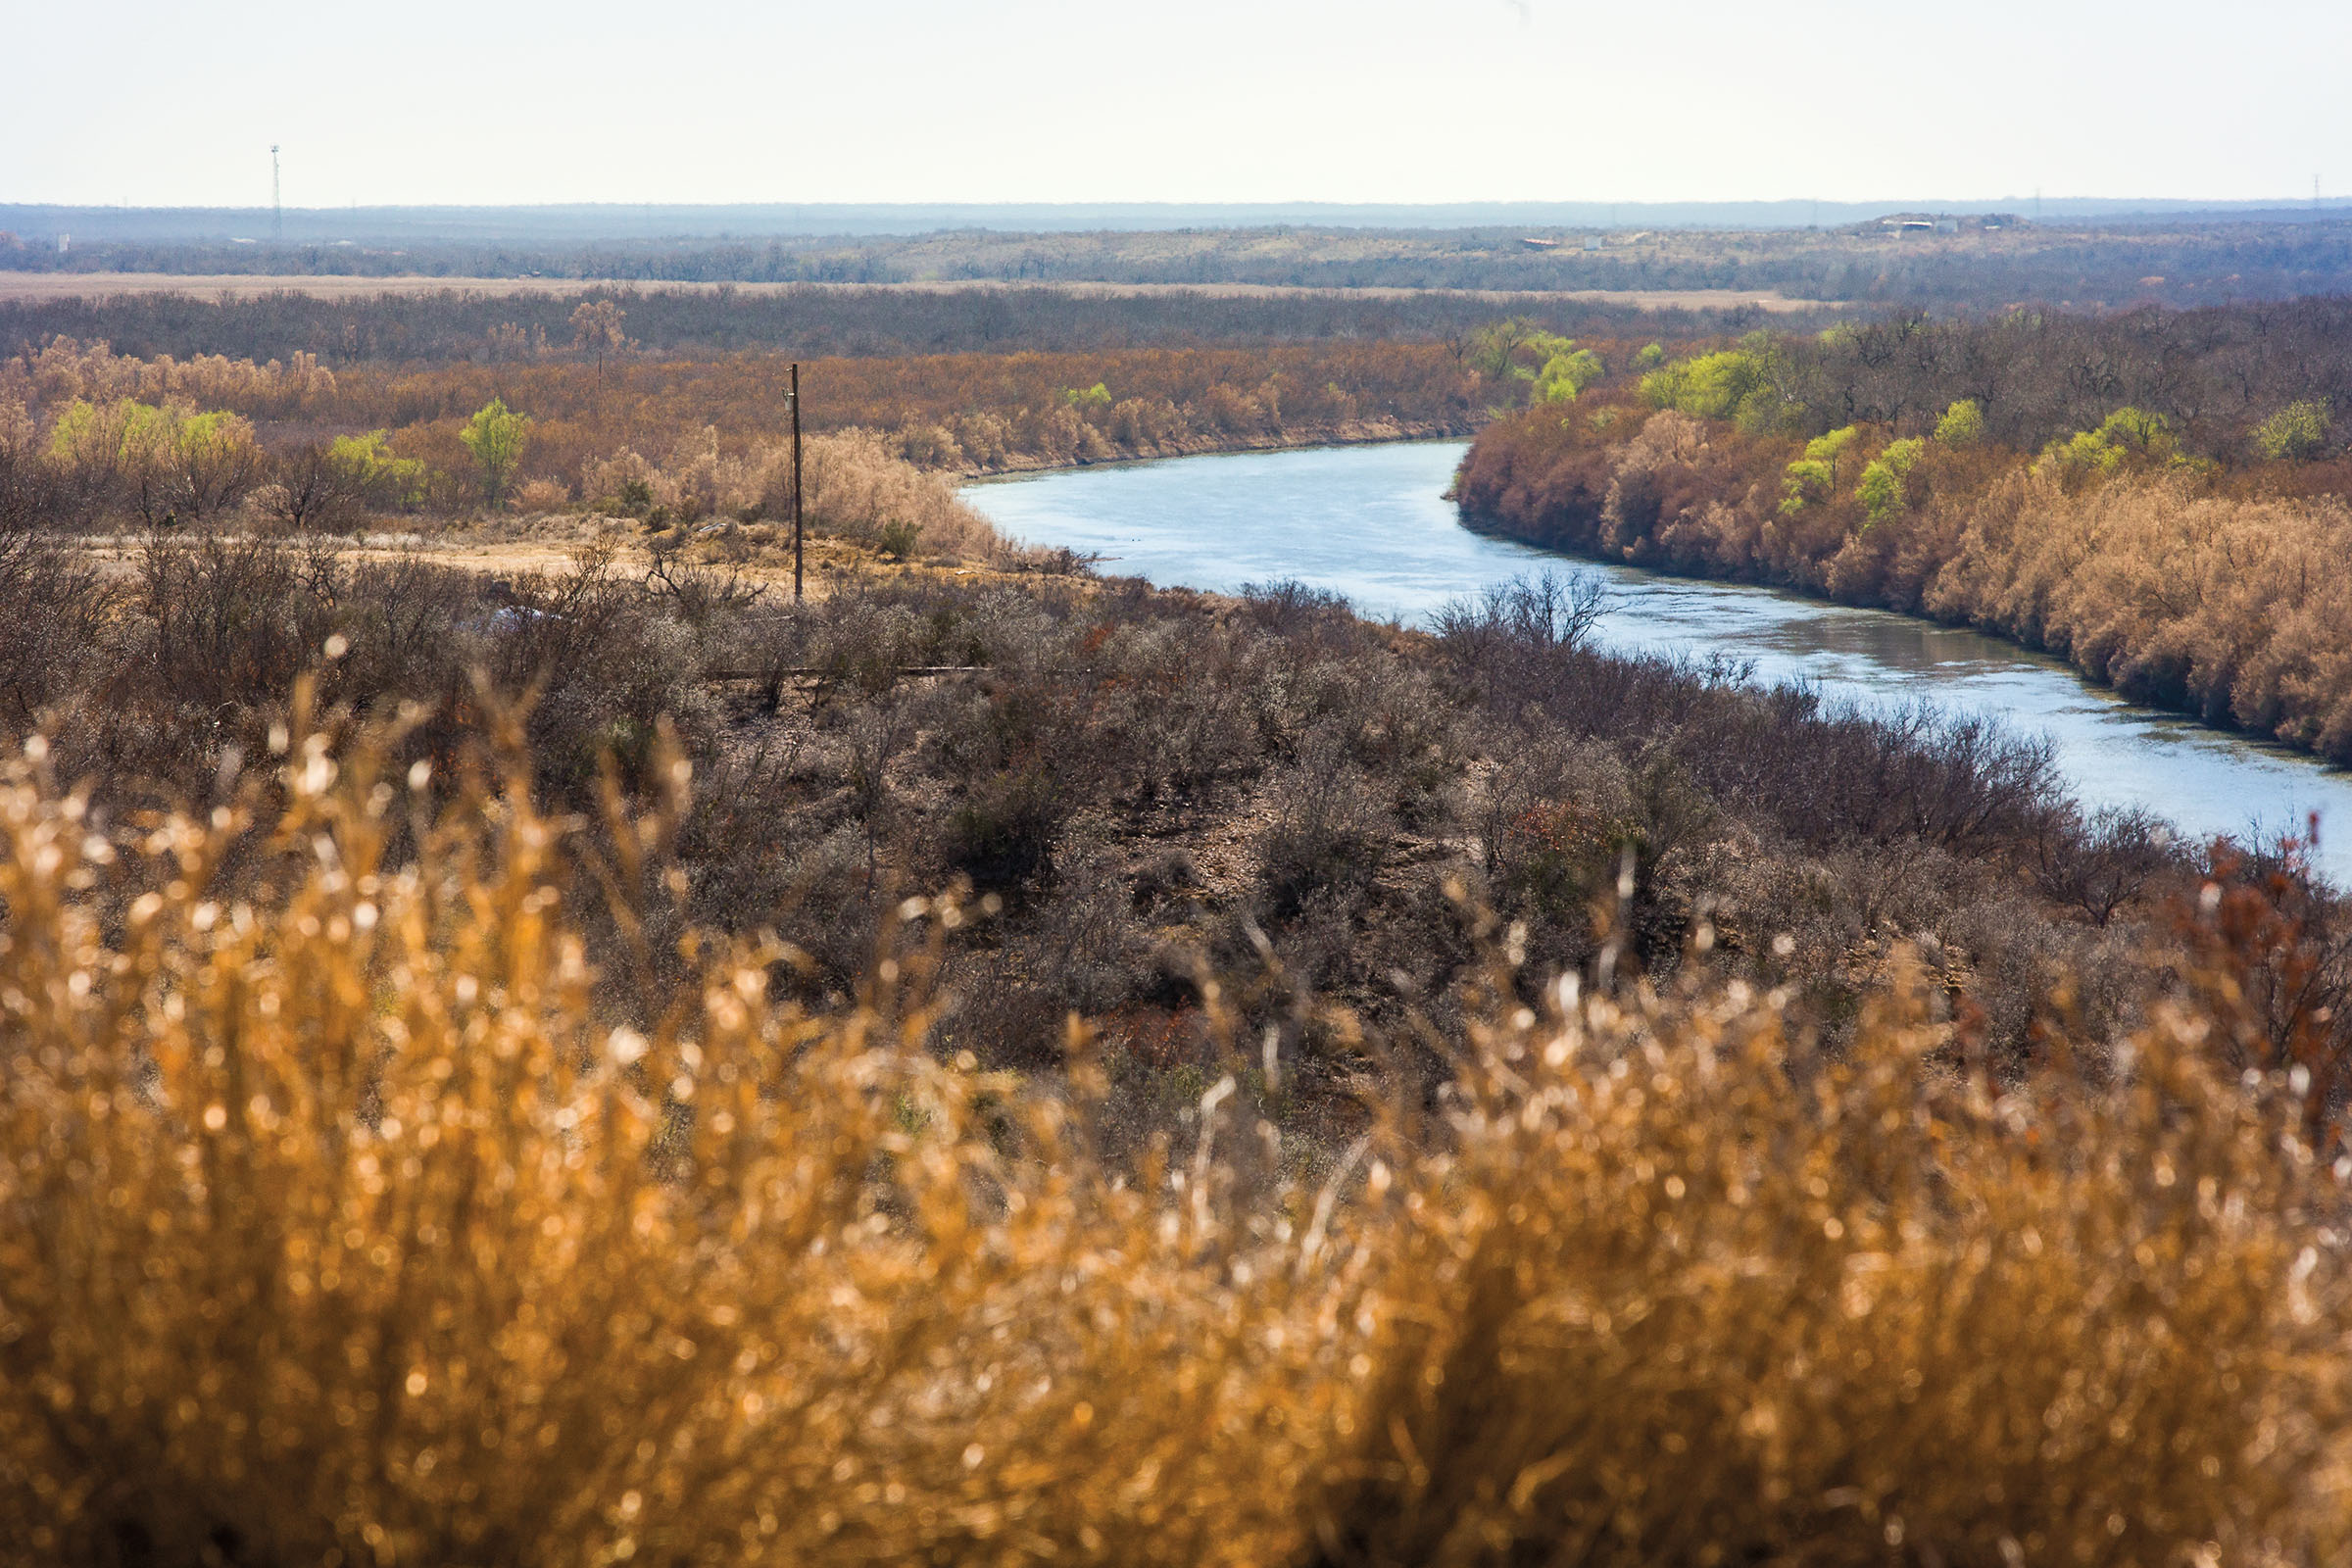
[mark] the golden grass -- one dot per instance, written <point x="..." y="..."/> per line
<point x="340" y="1227"/>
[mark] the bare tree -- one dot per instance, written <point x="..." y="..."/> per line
<point x="596" y="330"/>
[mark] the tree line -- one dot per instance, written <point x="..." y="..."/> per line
<point x="810" y="323"/>
<point x="2033" y="376"/>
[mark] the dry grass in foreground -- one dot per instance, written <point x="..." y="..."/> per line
<point x="339" y="1230"/>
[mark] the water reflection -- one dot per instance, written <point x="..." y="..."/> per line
<point x="1371" y="522"/>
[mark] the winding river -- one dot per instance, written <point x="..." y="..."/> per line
<point x="1371" y="522"/>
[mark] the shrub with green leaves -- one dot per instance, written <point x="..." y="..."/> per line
<point x="2296" y="434"/>
<point x="1518" y="351"/>
<point x="367" y="464"/>
<point x="166" y="459"/>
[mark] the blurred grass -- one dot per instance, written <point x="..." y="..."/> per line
<point x="340" y="1228"/>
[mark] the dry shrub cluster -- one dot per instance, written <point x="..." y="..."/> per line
<point x="63" y="370"/>
<point x="721" y="419"/>
<point x="854" y="484"/>
<point x="957" y="411"/>
<point x="2186" y="586"/>
<point x="156" y="689"/>
<point x="161" y="465"/>
<point x="2234" y="610"/>
<point x="1157" y="784"/>
<point x="343" y="1226"/>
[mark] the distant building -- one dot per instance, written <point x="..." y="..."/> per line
<point x="1591" y="242"/>
<point x="64" y="243"/>
<point x="1939" y="223"/>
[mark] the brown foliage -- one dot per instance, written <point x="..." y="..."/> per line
<point x="955" y="412"/>
<point x="2182" y="588"/>
<point x="710" y="429"/>
<point x="344" y="1226"/>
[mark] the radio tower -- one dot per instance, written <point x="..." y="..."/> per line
<point x="277" y="211"/>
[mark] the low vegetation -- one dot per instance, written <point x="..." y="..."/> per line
<point x="1154" y="786"/>
<point x="99" y="419"/>
<point x="346" y="1223"/>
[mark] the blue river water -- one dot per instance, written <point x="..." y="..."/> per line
<point x="1371" y="522"/>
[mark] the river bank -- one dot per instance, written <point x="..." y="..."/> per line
<point x="1371" y="522"/>
<point x="2178" y="584"/>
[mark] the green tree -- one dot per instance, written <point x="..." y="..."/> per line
<point x="1880" y="487"/>
<point x="1962" y="424"/>
<point x="1748" y="386"/>
<point x="100" y="445"/>
<point x="1814" y="476"/>
<point x="1565" y="376"/>
<point x="212" y="460"/>
<point x="1518" y="351"/>
<point x="372" y="473"/>
<point x="2127" y="435"/>
<point x="496" y="436"/>
<point x="2138" y="432"/>
<point x="2296" y="434"/>
<point x="169" y="461"/>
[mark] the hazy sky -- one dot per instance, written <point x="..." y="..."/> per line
<point x="157" y="102"/>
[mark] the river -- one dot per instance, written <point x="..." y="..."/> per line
<point x="1371" y="522"/>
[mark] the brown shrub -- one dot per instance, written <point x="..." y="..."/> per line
<point x="342" y="1226"/>
<point x="2174" y="587"/>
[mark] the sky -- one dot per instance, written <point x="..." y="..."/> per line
<point x="434" y="100"/>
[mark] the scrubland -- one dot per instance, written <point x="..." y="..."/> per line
<point x="92" y="418"/>
<point x="1156" y="786"/>
<point x="610" y="1062"/>
<point x="398" y="1172"/>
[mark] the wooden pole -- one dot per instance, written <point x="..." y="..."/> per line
<point x="795" y="484"/>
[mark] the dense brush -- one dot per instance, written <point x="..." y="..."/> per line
<point x="340" y="1228"/>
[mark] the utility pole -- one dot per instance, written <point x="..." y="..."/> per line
<point x="277" y="211"/>
<point x="795" y="482"/>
